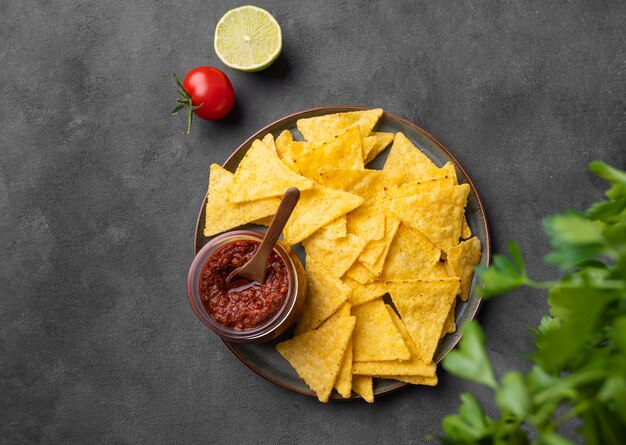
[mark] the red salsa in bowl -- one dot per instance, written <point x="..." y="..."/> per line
<point x="245" y="311"/>
<point x="242" y="304"/>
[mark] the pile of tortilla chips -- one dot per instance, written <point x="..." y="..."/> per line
<point x="400" y="231"/>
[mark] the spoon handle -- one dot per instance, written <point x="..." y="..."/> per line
<point x="287" y="204"/>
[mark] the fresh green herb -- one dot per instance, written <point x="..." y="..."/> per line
<point x="579" y="367"/>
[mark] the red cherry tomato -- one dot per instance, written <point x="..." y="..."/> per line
<point x="207" y="92"/>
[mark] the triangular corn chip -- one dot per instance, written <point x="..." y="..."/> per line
<point x="449" y="326"/>
<point x="413" y="366"/>
<point x="371" y="252"/>
<point x="375" y="335"/>
<point x="377" y="142"/>
<point x="462" y="259"/>
<point x="289" y="150"/>
<point x="362" y="293"/>
<point x="321" y="129"/>
<point x="411" y="256"/>
<point x="466" y="232"/>
<point x="415" y="379"/>
<point x="343" y="385"/>
<point x="325" y="294"/>
<point x="391" y="228"/>
<point x="317" y="355"/>
<point x="368" y="222"/>
<point x="266" y="221"/>
<point x="316" y="208"/>
<point x="344" y="151"/>
<point x="222" y="215"/>
<point x="340" y="253"/>
<point x="337" y="228"/>
<point x="358" y="272"/>
<point x="424" y="307"/>
<point x="268" y="140"/>
<point x="434" y="208"/>
<point x="363" y="385"/>
<point x="406" y="161"/>
<point x="261" y="174"/>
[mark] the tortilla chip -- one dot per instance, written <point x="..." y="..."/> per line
<point x="434" y="208"/>
<point x="358" y="272"/>
<point x="367" y="222"/>
<point x="325" y="294"/>
<point x="335" y="229"/>
<point x="268" y="140"/>
<point x="317" y="355"/>
<point x="365" y="183"/>
<point x="413" y="366"/>
<point x="316" y="208"/>
<point x="362" y="293"/>
<point x="375" y="335"/>
<point x="321" y="129"/>
<point x="462" y="259"/>
<point x="466" y="232"/>
<point x="289" y="150"/>
<point x="449" y="326"/>
<point x="371" y="252"/>
<point x="424" y="307"/>
<point x="363" y="385"/>
<point x="411" y="256"/>
<point x="261" y="174"/>
<point x="222" y="215"/>
<point x="339" y="253"/>
<point x="407" y="162"/>
<point x="343" y="152"/>
<point x="391" y="228"/>
<point x="415" y="379"/>
<point x="343" y="385"/>
<point x="380" y="142"/>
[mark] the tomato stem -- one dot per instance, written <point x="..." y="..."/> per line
<point x="184" y="101"/>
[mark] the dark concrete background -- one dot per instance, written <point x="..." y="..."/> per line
<point x="99" y="192"/>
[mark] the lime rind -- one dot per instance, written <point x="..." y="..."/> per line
<point x="248" y="38"/>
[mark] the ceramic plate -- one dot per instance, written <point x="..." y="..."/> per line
<point x="263" y="359"/>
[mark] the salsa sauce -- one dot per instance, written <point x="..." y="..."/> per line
<point x="242" y="304"/>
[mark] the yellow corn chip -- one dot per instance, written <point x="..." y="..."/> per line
<point x="362" y="293"/>
<point x="343" y="385"/>
<point x="261" y="174"/>
<point x="407" y="162"/>
<point x="462" y="259"/>
<point x="317" y="355"/>
<point x="325" y="294"/>
<point x="316" y="208"/>
<point x="375" y="335"/>
<point x="222" y="215"/>
<point x="339" y="253"/>
<point x="363" y="385"/>
<point x="379" y="143"/>
<point x="414" y="379"/>
<point x="365" y="183"/>
<point x="344" y="152"/>
<point x="335" y="229"/>
<point x="321" y="129"/>
<point x="268" y="140"/>
<point x="367" y="222"/>
<point x="449" y="326"/>
<point x="424" y="307"/>
<point x="466" y="232"/>
<point x="371" y="252"/>
<point x="434" y="208"/>
<point x="413" y="366"/>
<point x="411" y="256"/>
<point x="391" y="228"/>
<point x="358" y="272"/>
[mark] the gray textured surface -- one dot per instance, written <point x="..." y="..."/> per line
<point x="99" y="191"/>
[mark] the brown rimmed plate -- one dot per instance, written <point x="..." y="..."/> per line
<point x="263" y="359"/>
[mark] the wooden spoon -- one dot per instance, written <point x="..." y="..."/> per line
<point x="256" y="267"/>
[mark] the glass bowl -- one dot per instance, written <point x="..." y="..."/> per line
<point x="272" y="328"/>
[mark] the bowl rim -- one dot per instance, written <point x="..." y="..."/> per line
<point x="339" y="109"/>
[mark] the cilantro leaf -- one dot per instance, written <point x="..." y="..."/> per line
<point x="470" y="360"/>
<point x="513" y="395"/>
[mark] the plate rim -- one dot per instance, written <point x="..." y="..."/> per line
<point x="347" y="108"/>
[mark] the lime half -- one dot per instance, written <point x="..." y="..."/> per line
<point x="248" y="38"/>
